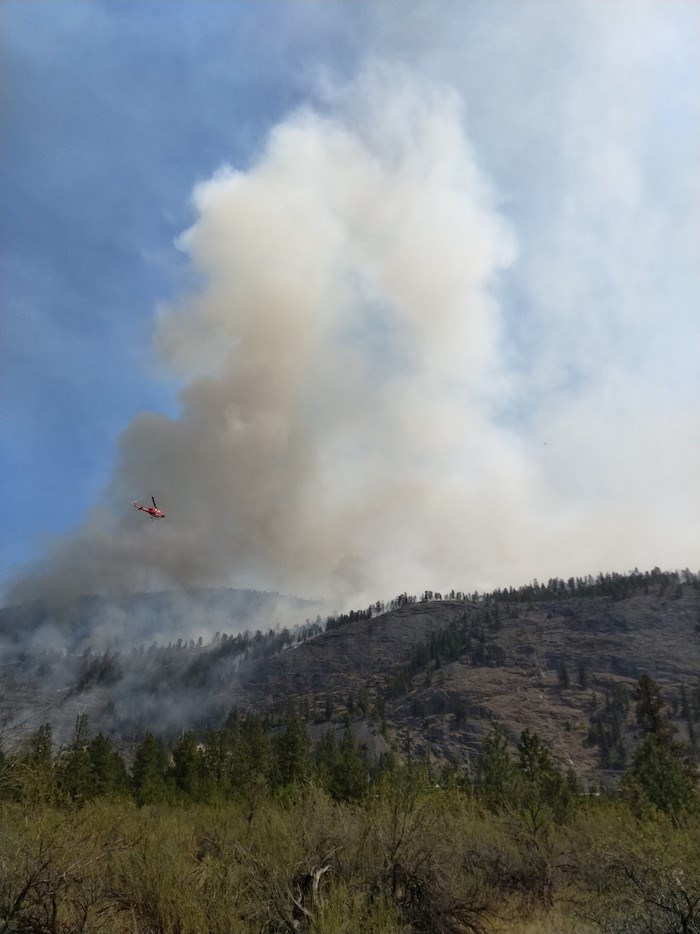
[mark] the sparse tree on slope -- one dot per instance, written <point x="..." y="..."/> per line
<point x="651" y="709"/>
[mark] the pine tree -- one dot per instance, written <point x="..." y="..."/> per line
<point x="39" y="773"/>
<point x="658" y="772"/>
<point x="149" y="774"/>
<point x="662" y="778"/>
<point x="534" y="760"/>
<point x="190" y="770"/>
<point x="582" y="675"/>
<point x="542" y="781"/>
<point x="326" y="759"/>
<point x="349" y="775"/>
<point x="363" y="700"/>
<point x="41" y="753"/>
<point x="251" y="763"/>
<point x="292" y="752"/>
<point x="651" y="708"/>
<point x="75" y="777"/>
<point x="563" y="675"/>
<point x="498" y="777"/>
<point x="218" y="753"/>
<point x="688" y="716"/>
<point x="107" y="766"/>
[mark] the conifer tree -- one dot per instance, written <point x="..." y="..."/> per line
<point x="149" y="774"/>
<point x="39" y="774"/>
<point x="292" y="752"/>
<point x="563" y="675"/>
<point x="688" y="716"/>
<point x="651" y="708"/>
<point x="108" y="768"/>
<point x="41" y="753"/>
<point x="658" y="773"/>
<point x="326" y="759"/>
<point x="218" y="752"/>
<point x="190" y="769"/>
<point x="251" y="757"/>
<point x="543" y="784"/>
<point x="349" y="775"/>
<point x="582" y="675"/>
<point x="498" y="777"/>
<point x="75" y="777"/>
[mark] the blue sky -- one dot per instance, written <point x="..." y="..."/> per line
<point x="573" y="134"/>
<point x="112" y="112"/>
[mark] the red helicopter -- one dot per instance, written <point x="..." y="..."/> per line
<point x="152" y="511"/>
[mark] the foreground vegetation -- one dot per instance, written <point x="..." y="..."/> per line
<point x="254" y="832"/>
<point x="410" y="857"/>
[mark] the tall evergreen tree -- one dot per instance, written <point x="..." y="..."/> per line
<point x="582" y="675"/>
<point x="658" y="773"/>
<point x="218" y="752"/>
<point x="292" y="752"/>
<point x="251" y="756"/>
<point x="349" y="780"/>
<point x="150" y="772"/>
<point x="563" y="674"/>
<point x="38" y="775"/>
<point x="108" y="768"/>
<point x="498" y="777"/>
<point x="41" y="749"/>
<point x="688" y="716"/>
<point x="543" y="784"/>
<point x="190" y="769"/>
<point x="75" y="776"/>
<point x="651" y="708"/>
<point x="534" y="760"/>
<point x="326" y="759"/>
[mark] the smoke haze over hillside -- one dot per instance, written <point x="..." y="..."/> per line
<point x="356" y="418"/>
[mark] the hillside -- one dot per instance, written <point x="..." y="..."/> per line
<point x="441" y="674"/>
<point x="424" y="677"/>
<point x="153" y="661"/>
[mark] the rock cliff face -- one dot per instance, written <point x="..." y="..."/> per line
<point x="427" y="678"/>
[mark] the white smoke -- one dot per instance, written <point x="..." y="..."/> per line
<point x="344" y="380"/>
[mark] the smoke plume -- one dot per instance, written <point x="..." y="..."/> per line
<point x="341" y="426"/>
<point x="337" y="362"/>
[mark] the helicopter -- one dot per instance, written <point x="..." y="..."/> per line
<point x="152" y="511"/>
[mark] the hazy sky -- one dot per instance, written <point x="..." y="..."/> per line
<point x="370" y="296"/>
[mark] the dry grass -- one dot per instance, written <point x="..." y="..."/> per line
<point x="554" y="922"/>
